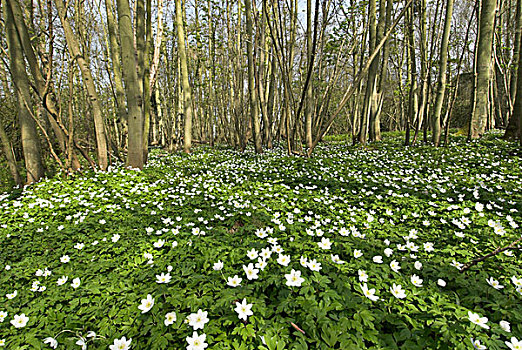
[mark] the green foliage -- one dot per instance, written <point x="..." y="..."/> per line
<point x="388" y="200"/>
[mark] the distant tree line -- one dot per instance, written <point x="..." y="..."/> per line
<point x="85" y="82"/>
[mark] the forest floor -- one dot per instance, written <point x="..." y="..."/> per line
<point x="355" y="248"/>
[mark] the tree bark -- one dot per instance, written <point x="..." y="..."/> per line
<point x="412" y="76"/>
<point x="375" y="99"/>
<point x="10" y="157"/>
<point x="372" y="73"/>
<point x="262" y="84"/>
<point x="146" y="80"/>
<point x="187" y="95"/>
<point x="254" y="108"/>
<point x="43" y="89"/>
<point x="441" y="85"/>
<point x="424" y="72"/>
<point x="132" y="88"/>
<point x="158" y="43"/>
<point x="485" y="44"/>
<point x="517" y="109"/>
<point x="513" y="124"/>
<point x="516" y="50"/>
<point x="30" y="139"/>
<point x="75" y="52"/>
<point x="309" y="97"/>
<point x="271" y="99"/>
<point x="116" y="70"/>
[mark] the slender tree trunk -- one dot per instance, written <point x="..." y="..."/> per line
<point x="290" y="46"/>
<point x="146" y="80"/>
<point x="412" y="74"/>
<point x="309" y="97"/>
<point x="513" y="123"/>
<point x="372" y="73"/>
<point x="139" y="39"/>
<point x="211" y="75"/>
<point x="70" y="112"/>
<point x="516" y="50"/>
<point x="262" y="75"/>
<point x="484" y="51"/>
<point x="159" y="130"/>
<point x="158" y="44"/>
<point x="9" y="155"/>
<point x="376" y="124"/>
<point x="284" y="60"/>
<point x="179" y="111"/>
<point x="375" y="100"/>
<point x="271" y="99"/>
<point x="254" y="108"/>
<point x="75" y="52"/>
<point x="451" y="103"/>
<point x="132" y="89"/>
<point x="187" y="95"/>
<point x="357" y="80"/>
<point x="441" y="85"/>
<point x="43" y="89"/>
<point x="30" y="140"/>
<point x="116" y="70"/>
<point x="424" y="96"/>
<point x="517" y="110"/>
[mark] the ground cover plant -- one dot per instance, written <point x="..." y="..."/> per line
<point x="355" y="248"/>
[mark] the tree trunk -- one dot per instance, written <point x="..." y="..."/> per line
<point x="376" y="99"/>
<point x="70" y="147"/>
<point x="423" y="104"/>
<point x="271" y="99"/>
<point x="485" y="43"/>
<point x="254" y="108"/>
<point x="75" y="52"/>
<point x="357" y="79"/>
<point x="412" y="74"/>
<point x="44" y="91"/>
<point x="30" y="141"/>
<point x="372" y="73"/>
<point x="132" y="88"/>
<point x="116" y="70"/>
<point x="158" y="43"/>
<point x="309" y="97"/>
<point x="211" y="76"/>
<point x="512" y="127"/>
<point x="516" y="51"/>
<point x="146" y="81"/>
<point x="441" y="85"/>
<point x="187" y="95"/>
<point x="10" y="157"/>
<point x="517" y="109"/>
<point x="262" y="75"/>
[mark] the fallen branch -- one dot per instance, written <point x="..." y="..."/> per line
<point x="297" y="327"/>
<point x="493" y="253"/>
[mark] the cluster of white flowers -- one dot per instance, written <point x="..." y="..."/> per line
<point x="349" y="235"/>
